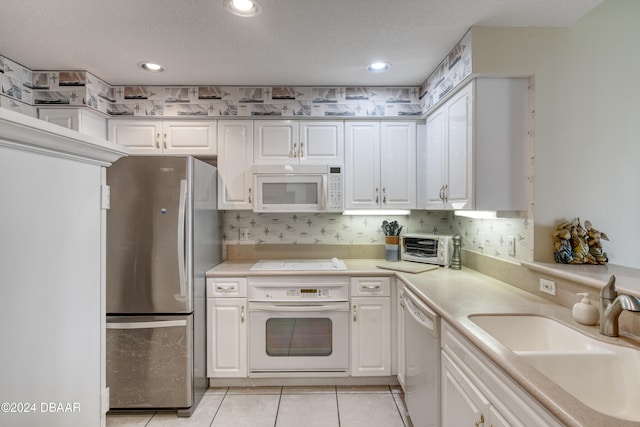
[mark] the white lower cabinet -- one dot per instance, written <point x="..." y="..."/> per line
<point x="475" y="392"/>
<point x="370" y="326"/>
<point x="226" y="328"/>
<point x="400" y="333"/>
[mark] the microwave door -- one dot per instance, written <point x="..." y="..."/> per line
<point x="283" y="193"/>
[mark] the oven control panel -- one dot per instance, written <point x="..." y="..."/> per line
<point x="309" y="293"/>
<point x="298" y="288"/>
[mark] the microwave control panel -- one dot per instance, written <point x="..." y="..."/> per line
<point x="335" y="186"/>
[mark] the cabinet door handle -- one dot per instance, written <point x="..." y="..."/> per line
<point x="377" y="197"/>
<point x="301" y="151"/>
<point x="242" y="314"/>
<point x="480" y="421"/>
<point x="158" y="140"/>
<point x="293" y="153"/>
<point x="164" y="140"/>
<point x="446" y="193"/>
<point x="384" y="196"/>
<point x="355" y="313"/>
<point x="249" y="195"/>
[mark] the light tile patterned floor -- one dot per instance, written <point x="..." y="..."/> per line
<point x="323" y="406"/>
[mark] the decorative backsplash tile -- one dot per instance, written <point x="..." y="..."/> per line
<point x="81" y="88"/>
<point x="489" y="236"/>
<point x="484" y="236"/>
<point x="453" y="69"/>
<point x="16" y="81"/>
<point x="327" y="228"/>
<point x="84" y="89"/>
<point x="227" y="101"/>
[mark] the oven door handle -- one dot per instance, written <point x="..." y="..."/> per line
<point x="300" y="308"/>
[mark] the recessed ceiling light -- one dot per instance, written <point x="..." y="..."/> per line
<point x="244" y="8"/>
<point x="378" y="67"/>
<point x="151" y="67"/>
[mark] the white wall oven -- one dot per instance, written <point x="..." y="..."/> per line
<point x="298" y="324"/>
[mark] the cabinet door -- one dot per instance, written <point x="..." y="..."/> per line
<point x="141" y="136"/>
<point x="321" y="142"/>
<point x="235" y="157"/>
<point x="362" y="165"/>
<point x="78" y="119"/>
<point x="462" y="402"/>
<point x="400" y="336"/>
<point x="371" y="336"/>
<point x="65" y="117"/>
<point x="226" y="337"/>
<point x="275" y="142"/>
<point x="398" y="165"/>
<point x="194" y="138"/>
<point x="459" y="168"/>
<point x="435" y="158"/>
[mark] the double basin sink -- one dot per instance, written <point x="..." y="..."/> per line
<point x="604" y="376"/>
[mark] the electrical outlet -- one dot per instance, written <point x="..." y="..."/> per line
<point x="244" y="234"/>
<point x="511" y="245"/>
<point x="548" y="286"/>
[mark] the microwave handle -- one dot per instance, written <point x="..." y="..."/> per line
<point x="324" y="193"/>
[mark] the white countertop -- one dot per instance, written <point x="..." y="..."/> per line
<point x="454" y="295"/>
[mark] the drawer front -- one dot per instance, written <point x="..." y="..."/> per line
<point x="370" y="286"/>
<point x="233" y="287"/>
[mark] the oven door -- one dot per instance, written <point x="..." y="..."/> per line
<point x="299" y="337"/>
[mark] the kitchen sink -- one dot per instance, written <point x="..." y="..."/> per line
<point x="604" y="376"/>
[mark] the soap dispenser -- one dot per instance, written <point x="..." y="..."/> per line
<point x="584" y="312"/>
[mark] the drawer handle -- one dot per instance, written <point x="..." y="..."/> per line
<point x="226" y="288"/>
<point x="370" y="287"/>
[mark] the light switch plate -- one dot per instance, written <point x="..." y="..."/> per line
<point x="244" y="234"/>
<point x="548" y="286"/>
<point x="511" y="245"/>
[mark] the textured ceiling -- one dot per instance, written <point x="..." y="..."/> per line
<point x="293" y="42"/>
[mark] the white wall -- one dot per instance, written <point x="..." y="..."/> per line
<point x="587" y="120"/>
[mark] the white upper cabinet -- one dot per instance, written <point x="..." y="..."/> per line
<point x="398" y="164"/>
<point x="235" y="157"/>
<point x="79" y="119"/>
<point x="475" y="153"/>
<point x="380" y="165"/>
<point x="158" y="137"/>
<point x="298" y="142"/>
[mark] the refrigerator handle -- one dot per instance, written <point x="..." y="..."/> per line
<point x="182" y="207"/>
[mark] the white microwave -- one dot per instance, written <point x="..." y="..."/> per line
<point x="298" y="188"/>
<point x="428" y="248"/>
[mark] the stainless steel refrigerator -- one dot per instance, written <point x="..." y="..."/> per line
<point x="163" y="234"/>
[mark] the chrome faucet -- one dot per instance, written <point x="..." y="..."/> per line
<point x="611" y="305"/>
